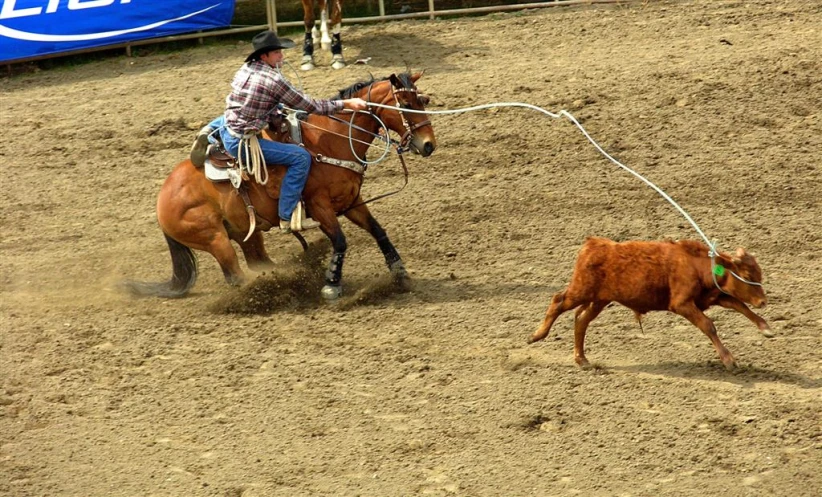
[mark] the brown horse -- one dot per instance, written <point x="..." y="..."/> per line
<point x="312" y="34"/>
<point x="196" y="213"/>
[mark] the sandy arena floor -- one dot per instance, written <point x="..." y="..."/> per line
<point x="431" y="392"/>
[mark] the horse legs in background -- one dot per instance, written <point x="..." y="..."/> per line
<point x="337" y="61"/>
<point x="308" y="43"/>
<point x="314" y="36"/>
<point x="362" y="217"/>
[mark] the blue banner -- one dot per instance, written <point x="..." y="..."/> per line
<point x="30" y="28"/>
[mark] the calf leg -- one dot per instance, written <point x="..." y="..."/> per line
<point x="692" y="313"/>
<point x="729" y="302"/>
<point x="559" y="303"/>
<point x="582" y="319"/>
<point x="362" y="217"/>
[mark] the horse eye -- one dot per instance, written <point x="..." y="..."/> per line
<point x="424" y="100"/>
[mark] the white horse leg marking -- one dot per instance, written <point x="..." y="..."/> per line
<point x="326" y="39"/>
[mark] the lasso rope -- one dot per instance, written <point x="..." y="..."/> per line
<point x="712" y="253"/>
<point x="251" y="159"/>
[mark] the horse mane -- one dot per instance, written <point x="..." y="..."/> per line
<point x="352" y="90"/>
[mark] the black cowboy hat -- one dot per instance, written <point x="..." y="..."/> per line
<point x="267" y="41"/>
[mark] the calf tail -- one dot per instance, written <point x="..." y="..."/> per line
<point x="183" y="277"/>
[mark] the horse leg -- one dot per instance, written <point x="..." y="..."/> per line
<point x="254" y="251"/>
<point x="321" y="211"/>
<point x="308" y="43"/>
<point x="325" y="41"/>
<point x="362" y="217"/>
<point x="337" y="60"/>
<point x="201" y="228"/>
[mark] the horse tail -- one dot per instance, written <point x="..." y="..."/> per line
<point x="183" y="277"/>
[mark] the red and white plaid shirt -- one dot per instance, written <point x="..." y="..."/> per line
<point x="257" y="88"/>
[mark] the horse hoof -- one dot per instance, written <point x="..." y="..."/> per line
<point x="331" y="293"/>
<point x="307" y="63"/>
<point x="338" y="64"/>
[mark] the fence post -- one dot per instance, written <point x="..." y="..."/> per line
<point x="271" y="14"/>
<point x="431" y="9"/>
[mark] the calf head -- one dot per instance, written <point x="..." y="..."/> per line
<point x="746" y="284"/>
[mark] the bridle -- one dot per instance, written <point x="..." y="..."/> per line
<point x="401" y="146"/>
<point x="409" y="127"/>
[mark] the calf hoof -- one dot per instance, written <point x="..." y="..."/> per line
<point x="730" y="364"/>
<point x="766" y="332"/>
<point x="331" y="293"/>
<point x="582" y="362"/>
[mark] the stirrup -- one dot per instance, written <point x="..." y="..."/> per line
<point x="298" y="221"/>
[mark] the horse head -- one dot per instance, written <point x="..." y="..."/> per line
<point x="406" y="117"/>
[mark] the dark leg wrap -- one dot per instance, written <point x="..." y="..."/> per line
<point x="336" y="44"/>
<point x="333" y="275"/>
<point x="308" y="44"/>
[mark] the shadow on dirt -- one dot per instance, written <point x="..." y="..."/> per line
<point x="744" y="376"/>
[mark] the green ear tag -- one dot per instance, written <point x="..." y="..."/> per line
<point x="719" y="270"/>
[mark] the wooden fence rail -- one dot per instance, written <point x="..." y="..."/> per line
<point x="271" y="18"/>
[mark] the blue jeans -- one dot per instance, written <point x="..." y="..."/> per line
<point x="296" y="159"/>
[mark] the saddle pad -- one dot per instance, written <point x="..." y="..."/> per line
<point x="219" y="175"/>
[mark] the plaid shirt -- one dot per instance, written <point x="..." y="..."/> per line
<point x="257" y="88"/>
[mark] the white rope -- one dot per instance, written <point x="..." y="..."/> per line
<point x="712" y="250"/>
<point x="250" y="157"/>
<point x="566" y="114"/>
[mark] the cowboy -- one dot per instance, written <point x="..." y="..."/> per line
<point x="256" y="91"/>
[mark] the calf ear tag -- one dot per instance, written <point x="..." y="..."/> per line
<point x="719" y="270"/>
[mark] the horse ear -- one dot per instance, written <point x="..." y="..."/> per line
<point x="424" y="99"/>
<point x="415" y="77"/>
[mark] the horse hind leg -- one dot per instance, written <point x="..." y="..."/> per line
<point x="325" y="39"/>
<point x="309" y="41"/>
<point x="307" y="63"/>
<point x="255" y="254"/>
<point x="337" y="60"/>
<point x="183" y="276"/>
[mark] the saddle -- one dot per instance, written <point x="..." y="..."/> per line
<point x="220" y="166"/>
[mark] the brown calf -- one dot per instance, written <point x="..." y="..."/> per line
<point x="657" y="276"/>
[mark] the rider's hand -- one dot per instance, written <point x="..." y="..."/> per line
<point x="355" y="104"/>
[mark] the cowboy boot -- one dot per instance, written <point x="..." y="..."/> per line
<point x="199" y="149"/>
<point x="298" y="221"/>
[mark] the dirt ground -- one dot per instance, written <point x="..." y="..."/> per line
<point x="433" y="391"/>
